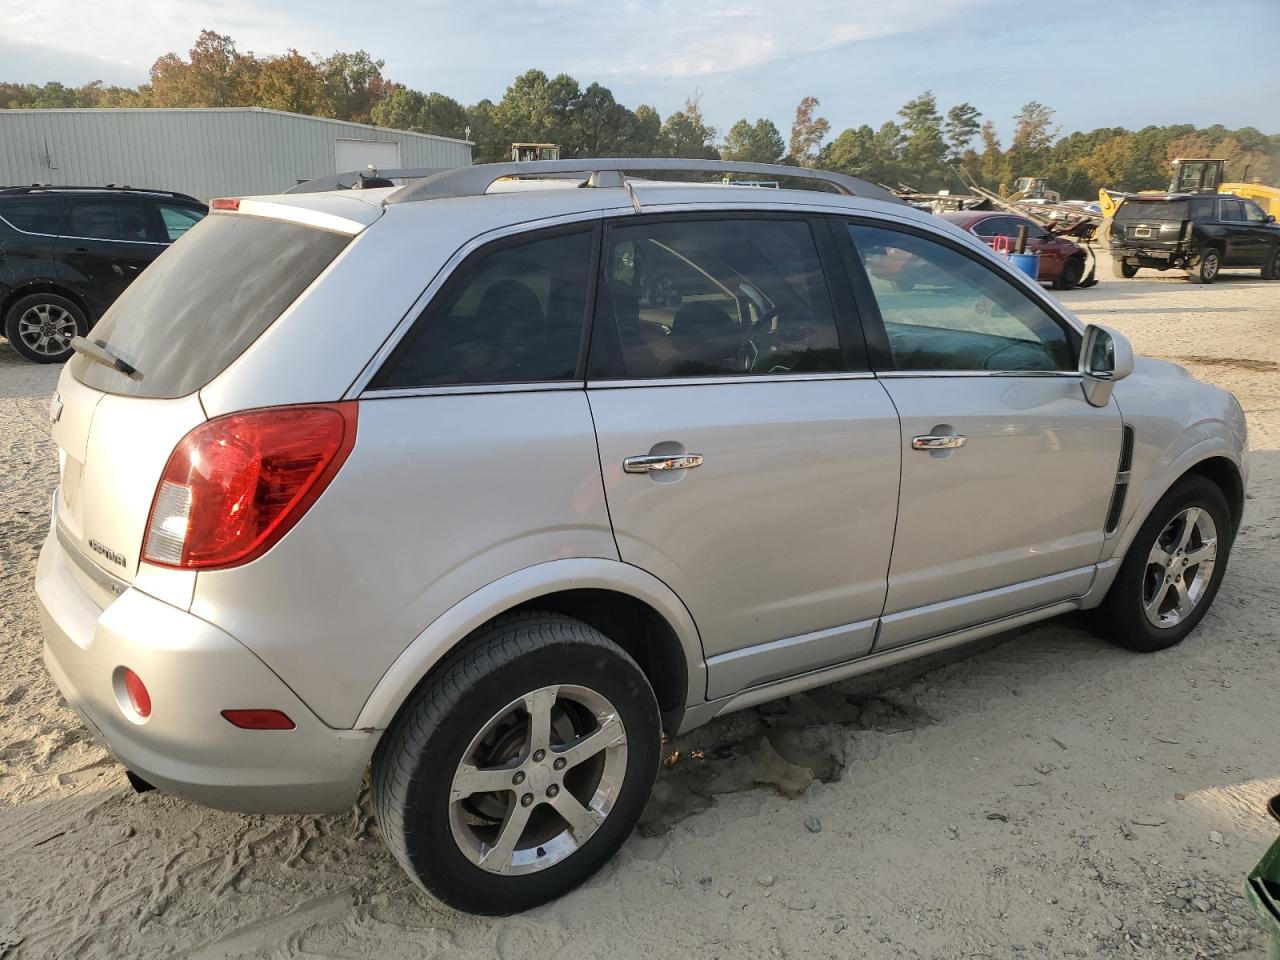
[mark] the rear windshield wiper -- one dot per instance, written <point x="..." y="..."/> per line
<point x="99" y="352"/>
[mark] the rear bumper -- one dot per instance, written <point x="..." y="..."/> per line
<point x="192" y="671"/>
<point x="1164" y="256"/>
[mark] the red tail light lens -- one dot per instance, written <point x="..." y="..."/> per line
<point x="258" y="719"/>
<point x="235" y="485"/>
<point x="225" y="203"/>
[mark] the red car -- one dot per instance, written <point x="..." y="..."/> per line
<point x="1061" y="261"/>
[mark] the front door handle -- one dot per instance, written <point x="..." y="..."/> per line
<point x="933" y="442"/>
<point x="651" y="462"/>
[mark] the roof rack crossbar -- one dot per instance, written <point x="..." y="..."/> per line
<point x="348" y="179"/>
<point x="476" y="180"/>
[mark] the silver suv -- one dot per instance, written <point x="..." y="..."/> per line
<point x="481" y="483"/>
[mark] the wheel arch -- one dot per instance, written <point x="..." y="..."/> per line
<point x="1205" y="459"/>
<point x="44" y="286"/>
<point x="633" y="608"/>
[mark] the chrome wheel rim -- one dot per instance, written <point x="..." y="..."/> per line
<point x="538" y="780"/>
<point x="1209" y="269"/>
<point x="1179" y="568"/>
<point x="47" y="329"/>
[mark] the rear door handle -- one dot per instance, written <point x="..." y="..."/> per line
<point x="933" y="442"/>
<point x="650" y="463"/>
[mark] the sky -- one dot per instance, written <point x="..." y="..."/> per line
<point x="1098" y="63"/>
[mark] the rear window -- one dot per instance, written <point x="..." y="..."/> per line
<point x="1152" y="210"/>
<point x="203" y="301"/>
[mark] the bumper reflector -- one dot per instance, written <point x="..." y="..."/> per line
<point x="258" y="719"/>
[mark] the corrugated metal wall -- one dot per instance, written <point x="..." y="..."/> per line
<point x="206" y="153"/>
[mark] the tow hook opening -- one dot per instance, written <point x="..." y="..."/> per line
<point x="139" y="785"/>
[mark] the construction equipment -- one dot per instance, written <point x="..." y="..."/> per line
<point x="1034" y="189"/>
<point x="521" y="152"/>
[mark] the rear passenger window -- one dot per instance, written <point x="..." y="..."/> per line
<point x="1231" y="212"/>
<point x="698" y="298"/>
<point x="945" y="311"/>
<point x="514" y="314"/>
<point x="32" y="214"/>
<point x="107" y="221"/>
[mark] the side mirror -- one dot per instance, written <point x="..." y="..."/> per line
<point x="1271" y="218"/>
<point x="1105" y="359"/>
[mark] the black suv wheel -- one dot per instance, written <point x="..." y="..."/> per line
<point x="1205" y="270"/>
<point x="1122" y="268"/>
<point x="1271" y="269"/>
<point x="42" y="325"/>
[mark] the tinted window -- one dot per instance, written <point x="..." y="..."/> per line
<point x="1152" y="210"/>
<point x="1230" y="211"/>
<point x="712" y="298"/>
<point x="178" y="220"/>
<point x="203" y="301"/>
<point x="511" y="315"/>
<point x="945" y="311"/>
<point x="107" y="220"/>
<point x="992" y="227"/>
<point x="1203" y="209"/>
<point x="32" y="214"/>
<point x="1253" y="213"/>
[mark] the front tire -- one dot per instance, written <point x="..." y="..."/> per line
<point x="1207" y="268"/>
<point x="42" y="325"/>
<point x="1172" y="571"/>
<point x="519" y="770"/>
<point x="1071" y="274"/>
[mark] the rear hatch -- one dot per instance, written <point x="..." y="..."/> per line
<point x="1154" y="223"/>
<point x="181" y="323"/>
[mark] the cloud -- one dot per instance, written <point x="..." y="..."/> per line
<point x="678" y="39"/>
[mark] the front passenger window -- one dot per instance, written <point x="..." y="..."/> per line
<point x="943" y="310"/>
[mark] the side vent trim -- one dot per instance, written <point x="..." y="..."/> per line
<point x="1123" y="470"/>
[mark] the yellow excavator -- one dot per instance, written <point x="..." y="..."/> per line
<point x="1200" y="175"/>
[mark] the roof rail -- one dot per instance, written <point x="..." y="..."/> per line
<point x="110" y="188"/>
<point x="475" y="181"/>
<point x="356" y="179"/>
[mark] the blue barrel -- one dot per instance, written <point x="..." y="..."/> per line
<point x="1028" y="263"/>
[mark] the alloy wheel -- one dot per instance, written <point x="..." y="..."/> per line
<point x="47" y="329"/>
<point x="1209" y="266"/>
<point x="538" y="780"/>
<point x="1179" y="567"/>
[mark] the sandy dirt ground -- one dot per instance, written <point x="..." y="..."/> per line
<point x="1038" y="795"/>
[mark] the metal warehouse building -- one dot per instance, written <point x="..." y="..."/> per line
<point x="206" y="152"/>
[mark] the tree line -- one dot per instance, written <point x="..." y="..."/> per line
<point x="919" y="149"/>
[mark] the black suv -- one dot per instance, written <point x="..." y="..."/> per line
<point x="66" y="253"/>
<point x="1201" y="233"/>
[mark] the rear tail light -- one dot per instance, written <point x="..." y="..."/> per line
<point x="236" y="484"/>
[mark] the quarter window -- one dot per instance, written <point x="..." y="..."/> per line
<point x="700" y="298"/>
<point x="943" y="310"/>
<point x="107" y="221"/>
<point x="514" y="314"/>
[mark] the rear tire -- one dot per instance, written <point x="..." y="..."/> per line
<point x="40" y="327"/>
<point x="1122" y="269"/>
<point x="1071" y="275"/>
<point x="1163" y="572"/>
<point x="1207" y="268"/>
<point x="474" y="725"/>
<point x="1271" y="269"/>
